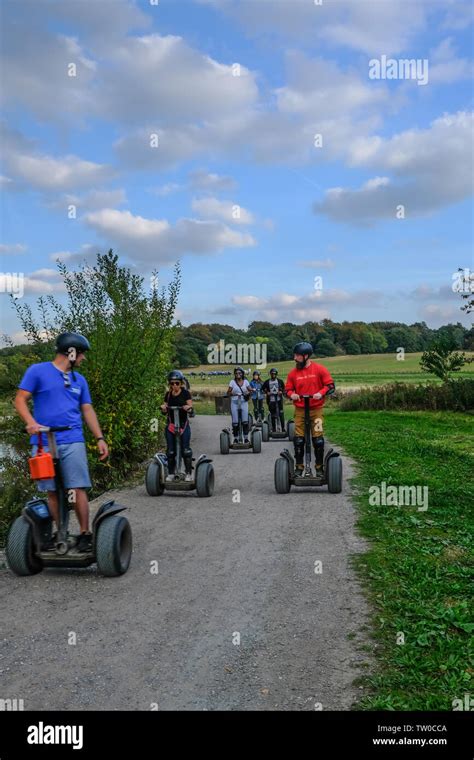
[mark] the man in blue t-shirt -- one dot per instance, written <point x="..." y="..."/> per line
<point x="61" y="397"/>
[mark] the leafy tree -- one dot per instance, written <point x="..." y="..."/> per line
<point x="352" y="347"/>
<point x="130" y="332"/>
<point x="325" y="347"/>
<point x="442" y="359"/>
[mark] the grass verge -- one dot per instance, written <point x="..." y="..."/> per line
<point x="420" y="565"/>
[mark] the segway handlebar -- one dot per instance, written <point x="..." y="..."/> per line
<point x="54" y="429"/>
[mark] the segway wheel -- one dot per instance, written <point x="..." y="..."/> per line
<point x="20" y="549"/>
<point x="290" y="426"/>
<point x="265" y="432"/>
<point x="257" y="442"/>
<point x="205" y="479"/>
<point x="153" y="482"/>
<point x="225" y="443"/>
<point x="282" y="475"/>
<point x="334" y="474"/>
<point x="113" y="545"/>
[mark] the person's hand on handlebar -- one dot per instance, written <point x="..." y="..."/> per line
<point x="187" y="407"/>
<point x="317" y="396"/>
<point x="164" y="407"/>
<point x="294" y="397"/>
<point x="33" y="427"/>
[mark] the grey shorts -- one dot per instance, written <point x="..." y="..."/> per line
<point x="73" y="458"/>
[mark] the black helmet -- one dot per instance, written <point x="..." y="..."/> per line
<point x="68" y="340"/>
<point x="239" y="369"/>
<point x="256" y="372"/>
<point x="274" y="370"/>
<point x="304" y="348"/>
<point x="175" y="374"/>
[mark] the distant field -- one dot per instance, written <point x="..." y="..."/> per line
<point x="366" y="369"/>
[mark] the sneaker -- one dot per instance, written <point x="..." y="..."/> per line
<point x="299" y="470"/>
<point x="319" y="472"/>
<point x="188" y="477"/>
<point x="85" y="543"/>
<point x="170" y="476"/>
<point x="236" y="440"/>
<point x="246" y="440"/>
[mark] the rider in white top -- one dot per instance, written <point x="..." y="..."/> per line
<point x="239" y="386"/>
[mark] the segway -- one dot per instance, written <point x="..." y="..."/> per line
<point x="157" y="471"/>
<point x="279" y="433"/>
<point x="285" y="474"/>
<point x="30" y="546"/>
<point x="255" y="436"/>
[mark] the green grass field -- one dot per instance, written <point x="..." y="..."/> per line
<point x="366" y="369"/>
<point x="419" y="569"/>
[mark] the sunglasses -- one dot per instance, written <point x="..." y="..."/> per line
<point x="175" y="382"/>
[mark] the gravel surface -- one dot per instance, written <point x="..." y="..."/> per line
<point x="235" y="618"/>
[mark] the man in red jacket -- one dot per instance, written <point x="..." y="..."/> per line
<point x="308" y="378"/>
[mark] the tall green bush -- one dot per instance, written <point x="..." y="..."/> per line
<point x="130" y="330"/>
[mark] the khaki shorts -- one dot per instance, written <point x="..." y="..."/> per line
<point x="316" y="416"/>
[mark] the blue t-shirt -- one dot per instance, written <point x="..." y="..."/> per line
<point x="54" y="403"/>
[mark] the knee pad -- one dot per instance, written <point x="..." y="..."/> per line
<point x="299" y="443"/>
<point x="318" y="442"/>
<point x="187" y="453"/>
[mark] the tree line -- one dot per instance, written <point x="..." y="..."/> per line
<point x="328" y="338"/>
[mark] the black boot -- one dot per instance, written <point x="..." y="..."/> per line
<point x="318" y="445"/>
<point x="235" y="432"/>
<point x="188" y="463"/>
<point x="282" y="421"/>
<point x="171" y="457"/>
<point x="299" y="454"/>
<point x="245" y="426"/>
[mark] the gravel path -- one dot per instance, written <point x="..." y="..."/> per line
<point x="236" y="618"/>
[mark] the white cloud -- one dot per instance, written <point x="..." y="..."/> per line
<point x="370" y="26"/>
<point x="213" y="208"/>
<point x="43" y="172"/>
<point x="319" y="89"/>
<point x="43" y="282"/>
<point x="91" y="201"/>
<point x="87" y="254"/>
<point x="11" y="248"/>
<point x="203" y="180"/>
<point x="445" y="66"/>
<point x="288" y="307"/>
<point x="168" y="189"/>
<point x="156" y="240"/>
<point x="431" y="168"/>
<point x="187" y="84"/>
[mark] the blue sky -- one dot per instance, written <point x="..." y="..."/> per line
<point x="236" y="91"/>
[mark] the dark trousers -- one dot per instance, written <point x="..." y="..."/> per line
<point x="171" y="446"/>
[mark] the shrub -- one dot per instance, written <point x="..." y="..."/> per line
<point x="454" y="395"/>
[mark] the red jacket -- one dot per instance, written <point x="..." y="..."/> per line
<point x="312" y="379"/>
